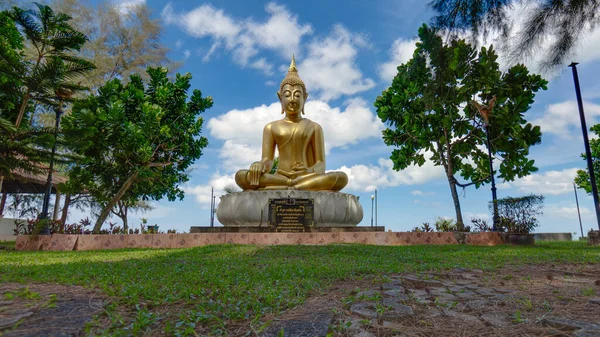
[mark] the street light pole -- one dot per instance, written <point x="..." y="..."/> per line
<point x="372" y="198"/>
<point x="586" y="142"/>
<point x="376" y="208"/>
<point x="212" y="205"/>
<point x="578" y="214"/>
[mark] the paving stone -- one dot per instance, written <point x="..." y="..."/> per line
<point x="496" y="320"/>
<point x="477" y="304"/>
<point x="570" y="324"/>
<point x="315" y="325"/>
<point x="440" y="292"/>
<point x="395" y="310"/>
<point x="460" y="315"/>
<point x="587" y="333"/>
<point x="9" y="319"/>
<point x="399" y="295"/>
<point x="432" y="282"/>
<point x="392" y="286"/>
<point x="367" y="294"/>
<point x="485" y="292"/>
<point x="364" y="333"/>
<point x="466" y="294"/>
<point x="417" y="293"/>
<point x="364" y="310"/>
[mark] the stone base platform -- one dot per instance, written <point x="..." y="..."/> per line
<point x="251" y="208"/>
<point x="63" y="242"/>
<point x="219" y="229"/>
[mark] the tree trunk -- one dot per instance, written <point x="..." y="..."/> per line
<point x="22" y="108"/>
<point x="2" y="202"/>
<point x="56" y="205"/>
<point x="125" y="223"/>
<point x="459" y="220"/>
<point x="106" y="210"/>
<point x="65" y="210"/>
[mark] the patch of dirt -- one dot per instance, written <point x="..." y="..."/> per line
<point x="46" y="309"/>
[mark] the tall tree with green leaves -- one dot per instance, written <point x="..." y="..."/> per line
<point x="25" y="83"/>
<point x="582" y="179"/>
<point x="54" y="65"/>
<point x="429" y="116"/>
<point x="558" y="25"/>
<point x="137" y="140"/>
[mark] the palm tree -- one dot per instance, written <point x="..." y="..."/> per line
<point x="53" y="65"/>
<point x="565" y="21"/>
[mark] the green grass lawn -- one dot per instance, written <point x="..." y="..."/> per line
<point x="214" y="286"/>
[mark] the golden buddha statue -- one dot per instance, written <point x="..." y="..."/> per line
<point x="301" y="147"/>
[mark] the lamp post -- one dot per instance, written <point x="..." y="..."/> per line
<point x="212" y="205"/>
<point x="486" y="111"/>
<point x="372" y="199"/>
<point x="214" y="202"/>
<point x="578" y="214"/>
<point x="376" y="208"/>
<point x="586" y="142"/>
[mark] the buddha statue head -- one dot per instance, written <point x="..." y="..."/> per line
<point x="292" y="91"/>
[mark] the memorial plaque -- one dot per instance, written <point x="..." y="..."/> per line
<point x="291" y="215"/>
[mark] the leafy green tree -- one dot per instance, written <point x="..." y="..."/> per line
<point x="582" y="179"/>
<point x="54" y="65"/>
<point x="562" y="22"/>
<point x="428" y="113"/>
<point x="137" y="141"/>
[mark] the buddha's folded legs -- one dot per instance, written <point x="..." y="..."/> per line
<point x="276" y="181"/>
<point x="331" y="181"/>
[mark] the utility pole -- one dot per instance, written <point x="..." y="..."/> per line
<point x="586" y="142"/>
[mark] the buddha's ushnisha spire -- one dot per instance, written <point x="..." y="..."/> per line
<point x="292" y="77"/>
<point x="293" y="65"/>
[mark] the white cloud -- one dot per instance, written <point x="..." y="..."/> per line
<point x="270" y="83"/>
<point x="330" y="67"/>
<point x="550" y="182"/>
<point x="158" y="211"/>
<point x="280" y="33"/>
<point x="202" y="193"/>
<point x="421" y="193"/>
<point x="125" y="7"/>
<point x="566" y="212"/>
<point x="186" y="54"/>
<point x="562" y="119"/>
<point x="242" y="129"/>
<point x="363" y="178"/>
<point x="401" y="51"/>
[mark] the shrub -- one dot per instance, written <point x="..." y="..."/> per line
<point x="480" y="225"/>
<point x="519" y="215"/>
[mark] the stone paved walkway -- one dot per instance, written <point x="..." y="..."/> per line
<point x="46" y="310"/>
<point x="460" y="303"/>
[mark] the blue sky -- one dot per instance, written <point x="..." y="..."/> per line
<point x="239" y="51"/>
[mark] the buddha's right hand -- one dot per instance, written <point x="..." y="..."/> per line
<point x="256" y="171"/>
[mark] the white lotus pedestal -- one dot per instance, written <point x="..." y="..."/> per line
<point x="250" y="209"/>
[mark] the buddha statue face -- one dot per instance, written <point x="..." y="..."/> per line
<point x="292" y="98"/>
